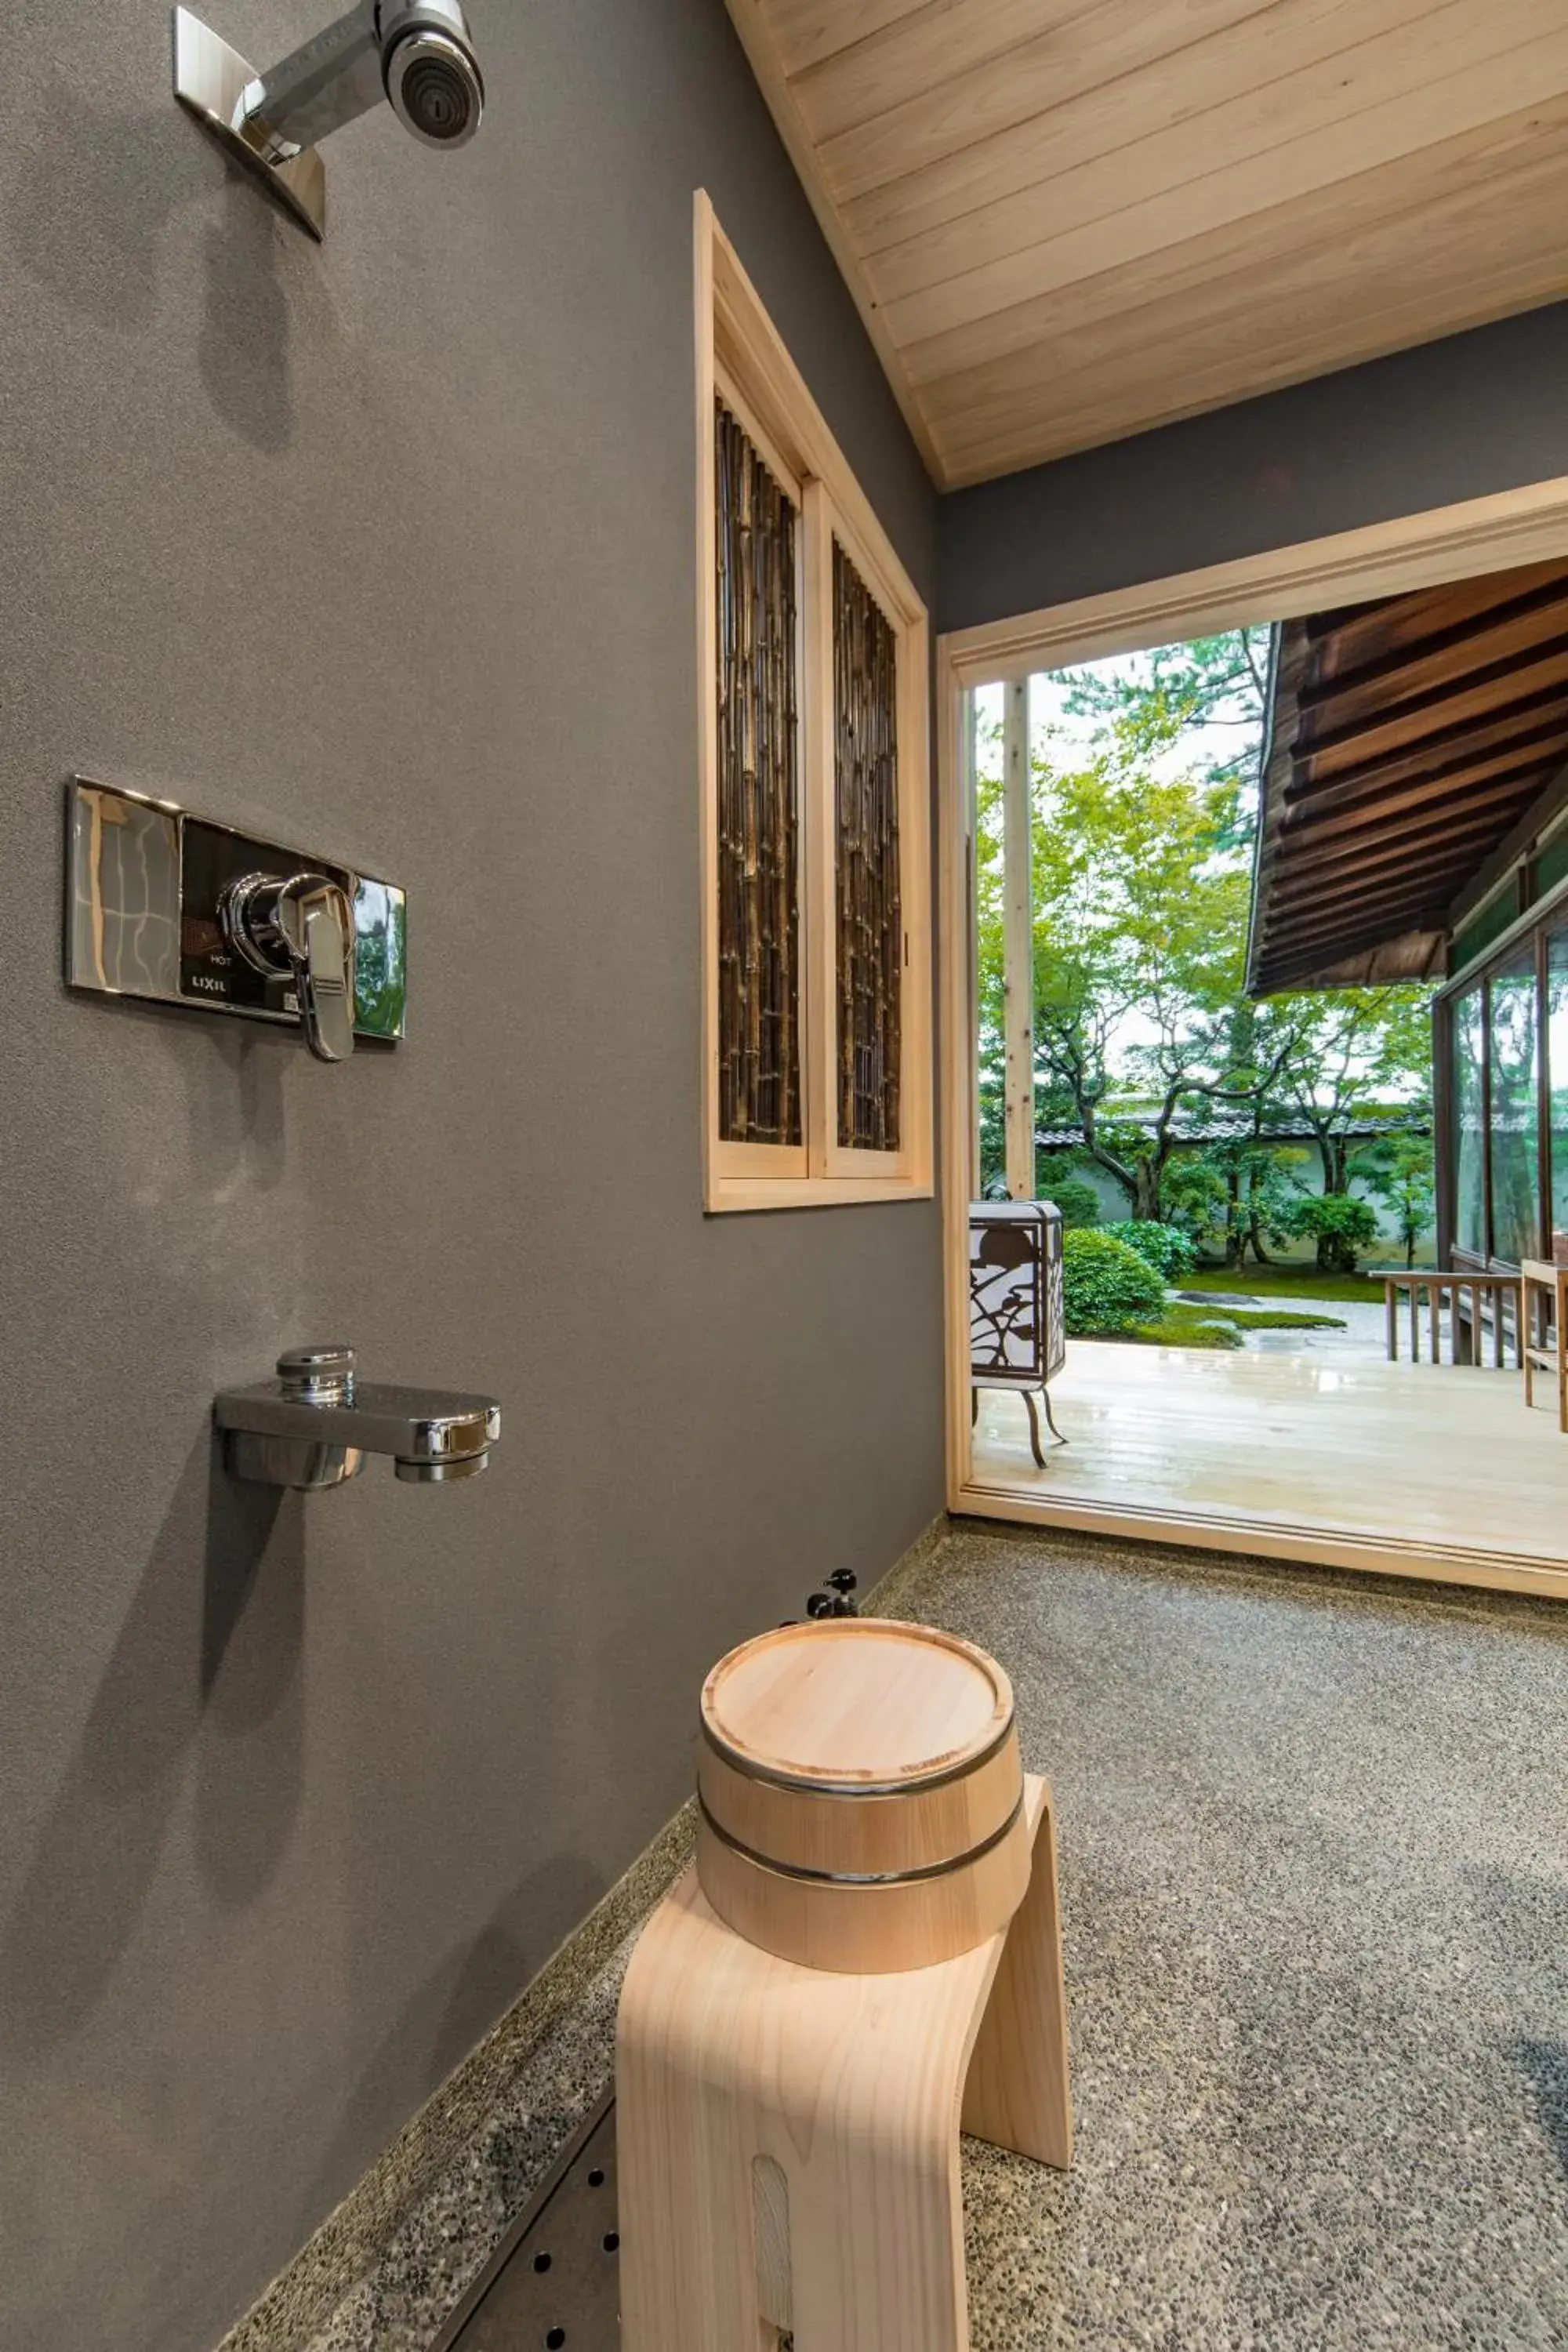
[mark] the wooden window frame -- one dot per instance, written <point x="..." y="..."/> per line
<point x="742" y="359"/>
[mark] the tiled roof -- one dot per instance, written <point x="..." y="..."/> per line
<point x="1219" y="1125"/>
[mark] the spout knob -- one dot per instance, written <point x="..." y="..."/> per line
<point x="318" y="1375"/>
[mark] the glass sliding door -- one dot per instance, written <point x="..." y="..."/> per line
<point x="1515" y="1075"/>
<point x="1469" y="1018"/>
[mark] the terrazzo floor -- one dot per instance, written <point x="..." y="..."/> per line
<point x="1314" y="1852"/>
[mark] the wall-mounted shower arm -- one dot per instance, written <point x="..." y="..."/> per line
<point x="326" y="82"/>
<point x="417" y="53"/>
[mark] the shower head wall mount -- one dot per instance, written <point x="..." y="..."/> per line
<point x="418" y="55"/>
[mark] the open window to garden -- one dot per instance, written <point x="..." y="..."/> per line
<point x="1266" y="1004"/>
<point x="1250" y="1154"/>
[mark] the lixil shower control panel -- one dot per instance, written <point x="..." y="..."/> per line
<point x="177" y="910"/>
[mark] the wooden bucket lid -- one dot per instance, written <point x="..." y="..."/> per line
<point x="856" y="1706"/>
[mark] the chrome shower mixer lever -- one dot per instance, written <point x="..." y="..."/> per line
<point x="178" y="909"/>
<point x="300" y="930"/>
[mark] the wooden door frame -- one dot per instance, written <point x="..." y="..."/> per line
<point x="1490" y="534"/>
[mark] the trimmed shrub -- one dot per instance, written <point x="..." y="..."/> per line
<point x="1170" y="1253"/>
<point x="1077" y="1201"/>
<point x="1108" y="1288"/>
<point x="1341" y="1226"/>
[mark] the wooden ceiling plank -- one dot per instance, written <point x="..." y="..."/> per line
<point x="1335" y="763"/>
<point x="1326" y="290"/>
<point x="1106" y="406"/>
<point x="1105" y="159"/>
<point x="1282" y="963"/>
<point x="961" y="42"/>
<point x="1365" y="632"/>
<point x="1015" y="348"/>
<point x="1071" y="111"/>
<point x="1312" y="968"/>
<point x="804" y="32"/>
<point x="1344" y="826"/>
<point x="1430" y="889"/>
<point x="775" y="90"/>
<point x="1110" y="224"/>
<point x="1446" y="701"/>
<point x="1482" y="646"/>
<point x="1383" y="817"/>
<point x="1111" y="411"/>
<point x="1079" y="87"/>
<point x="1530" y="730"/>
<point x="1301" y="876"/>
<point x="1339" y="930"/>
<point x="1432" y="827"/>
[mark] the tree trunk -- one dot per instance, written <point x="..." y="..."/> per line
<point x="1335" y="1255"/>
<point x="1146" y="1193"/>
<point x="1235" y="1236"/>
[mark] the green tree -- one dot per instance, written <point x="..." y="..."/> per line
<point x="1341" y="1226"/>
<point x="1141" y="862"/>
<point x="1350" y="1044"/>
<point x="1399" y="1170"/>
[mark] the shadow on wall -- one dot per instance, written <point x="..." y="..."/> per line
<point x="91" y="197"/>
<point x="444" y="2020"/>
<point x="90" y="205"/>
<point x="221" y="1666"/>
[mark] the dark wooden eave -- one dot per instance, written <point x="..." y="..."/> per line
<point x="1408" y="740"/>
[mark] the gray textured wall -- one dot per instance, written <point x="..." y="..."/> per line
<point x="389" y="547"/>
<point x="1453" y="420"/>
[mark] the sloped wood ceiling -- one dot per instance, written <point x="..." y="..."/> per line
<point x="1068" y="220"/>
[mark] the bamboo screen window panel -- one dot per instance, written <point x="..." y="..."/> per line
<point x="759" y="900"/>
<point x="871" y="942"/>
<point x="814" y="681"/>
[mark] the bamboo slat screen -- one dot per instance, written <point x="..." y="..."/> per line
<point x="870" y="917"/>
<point x="759" y="905"/>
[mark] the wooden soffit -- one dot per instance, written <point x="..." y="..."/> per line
<point x="1412" y="742"/>
<point x="1065" y="221"/>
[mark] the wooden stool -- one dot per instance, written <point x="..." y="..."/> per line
<point x="787" y="2135"/>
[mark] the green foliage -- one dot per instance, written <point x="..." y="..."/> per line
<point x="1108" y="1288"/>
<point x="1339" y="1225"/>
<point x="1170" y="1253"/>
<point x="1195" y="1196"/>
<point x="1183" y="1325"/>
<point x="1281" y="1319"/>
<point x="1077" y="1201"/>
<point x="1143" y="814"/>
<point x="1288" y="1281"/>
<point x="1399" y="1170"/>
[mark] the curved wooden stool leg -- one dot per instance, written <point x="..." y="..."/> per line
<point x="1018" y="2092"/>
<point x="787" y="2139"/>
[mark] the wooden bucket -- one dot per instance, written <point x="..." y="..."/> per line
<point x="861" y="1795"/>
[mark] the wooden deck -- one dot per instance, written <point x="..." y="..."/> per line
<point x="1424" y="1471"/>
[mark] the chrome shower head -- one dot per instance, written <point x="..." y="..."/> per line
<point x="417" y="55"/>
<point x="429" y="70"/>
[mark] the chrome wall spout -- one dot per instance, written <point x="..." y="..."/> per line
<point x="313" y="1426"/>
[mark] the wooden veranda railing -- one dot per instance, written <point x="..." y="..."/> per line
<point x="1427" y="1294"/>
